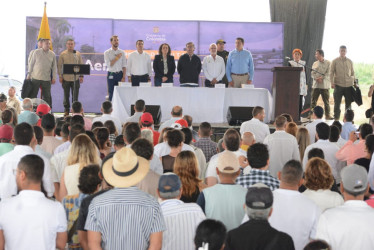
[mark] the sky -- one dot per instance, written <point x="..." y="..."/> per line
<point x="347" y="22"/>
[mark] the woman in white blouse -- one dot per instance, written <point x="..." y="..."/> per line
<point x="318" y="181"/>
<point x="82" y="152"/>
<point x="297" y="54"/>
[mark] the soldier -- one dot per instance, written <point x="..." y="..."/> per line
<point x="224" y="54"/>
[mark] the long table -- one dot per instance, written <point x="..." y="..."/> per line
<point x="203" y="104"/>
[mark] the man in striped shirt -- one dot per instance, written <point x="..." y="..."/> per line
<point x="181" y="218"/>
<point x="125" y="217"/>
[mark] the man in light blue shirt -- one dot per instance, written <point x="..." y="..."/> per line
<point x="28" y="114"/>
<point x="348" y="125"/>
<point x="240" y="67"/>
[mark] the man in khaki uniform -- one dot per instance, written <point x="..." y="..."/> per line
<point x="69" y="56"/>
<point x="321" y="82"/>
<point x="342" y="78"/>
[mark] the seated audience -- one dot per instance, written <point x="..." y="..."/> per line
<point x="258" y="159"/>
<point x="40" y="221"/>
<point x="147" y="134"/>
<point x="7" y="117"/>
<point x="340" y="141"/>
<point x="317" y="118"/>
<point x="291" y="128"/>
<point x="195" y="135"/>
<point x="318" y="181"/>
<point x="109" y="124"/>
<point x="348" y="125"/>
<point x="50" y="142"/>
<point x="39" y="140"/>
<point x="288" y="117"/>
<point x="13" y="101"/>
<point x="224" y="201"/>
<point x="210" y="234"/>
<point x="303" y="140"/>
<point x="176" y="114"/>
<point x="369" y="150"/>
<point x="257" y="233"/>
<point x="77" y="109"/>
<point x="175" y="140"/>
<point x="256" y="125"/>
<point x="185" y="166"/>
<point x="181" y="218"/>
<point x="248" y="139"/>
<point x="28" y="114"/>
<point x="139" y="109"/>
<point x="6" y="135"/>
<point x="317" y="245"/>
<point x="208" y="146"/>
<point x="118" y="143"/>
<point x="97" y="124"/>
<point x="349" y="226"/>
<point x="282" y="146"/>
<point x="102" y="138"/>
<point x="146" y="123"/>
<point x="106" y="110"/>
<point x="352" y="151"/>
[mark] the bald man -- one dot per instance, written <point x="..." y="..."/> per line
<point x="248" y="139"/>
<point x="176" y="114"/>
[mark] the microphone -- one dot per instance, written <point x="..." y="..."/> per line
<point x="74" y="51"/>
<point x="287" y="58"/>
<point x="75" y="56"/>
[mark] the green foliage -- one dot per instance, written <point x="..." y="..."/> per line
<point x="364" y="73"/>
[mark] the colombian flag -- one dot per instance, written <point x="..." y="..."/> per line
<point x="44" y="27"/>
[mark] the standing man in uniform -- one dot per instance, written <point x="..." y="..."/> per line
<point x="40" y="43"/>
<point x="224" y="54"/>
<point x="116" y="62"/>
<point x="342" y="77"/>
<point x="69" y="56"/>
<point x="139" y="65"/>
<point x="240" y="67"/>
<point x="42" y="62"/>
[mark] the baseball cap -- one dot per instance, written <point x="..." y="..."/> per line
<point x="220" y="41"/>
<point x="355" y="179"/>
<point x="42" y="109"/>
<point x="168" y="183"/>
<point x="259" y="196"/>
<point x="6" y="132"/>
<point x="182" y="122"/>
<point x="318" y="111"/>
<point x="146" y="118"/>
<point x="3" y="97"/>
<point x="228" y="160"/>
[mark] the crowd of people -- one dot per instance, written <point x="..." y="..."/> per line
<point x="80" y="183"/>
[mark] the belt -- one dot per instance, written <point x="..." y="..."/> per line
<point x="115" y="72"/>
<point x="239" y="74"/>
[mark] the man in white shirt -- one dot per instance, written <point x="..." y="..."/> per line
<point x="41" y="222"/>
<point x="329" y="150"/>
<point x="213" y="67"/>
<point x="176" y="114"/>
<point x="115" y="59"/>
<point x="231" y="142"/>
<point x="139" y="65"/>
<point x="25" y="140"/>
<point x="107" y="109"/>
<point x="311" y="127"/>
<point x="139" y="109"/>
<point x="282" y="146"/>
<point x="256" y="125"/>
<point x="181" y="218"/>
<point x="349" y="226"/>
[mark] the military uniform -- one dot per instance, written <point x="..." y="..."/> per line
<point x="224" y="54"/>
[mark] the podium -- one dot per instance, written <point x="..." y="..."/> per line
<point x="286" y="91"/>
<point x="75" y="69"/>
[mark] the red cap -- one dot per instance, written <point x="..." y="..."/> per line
<point x="42" y="109"/>
<point x="182" y="122"/>
<point x="146" y="118"/>
<point x="6" y="132"/>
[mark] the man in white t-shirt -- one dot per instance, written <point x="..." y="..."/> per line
<point x="231" y="142"/>
<point x="256" y="125"/>
<point x="107" y="109"/>
<point x="349" y="226"/>
<point x="30" y="220"/>
<point x="176" y="114"/>
<point x="282" y="146"/>
<point x="311" y="127"/>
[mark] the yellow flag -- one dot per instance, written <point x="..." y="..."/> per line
<point x="44" y="27"/>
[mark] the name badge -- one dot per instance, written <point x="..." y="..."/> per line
<point x="145" y="84"/>
<point x="125" y="84"/>
<point x="167" y="85"/>
<point x="110" y="77"/>
<point x="248" y="86"/>
<point x="220" y="85"/>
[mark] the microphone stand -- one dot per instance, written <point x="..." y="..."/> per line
<point x="306" y="67"/>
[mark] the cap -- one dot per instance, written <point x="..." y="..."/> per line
<point x="228" y="163"/>
<point x="42" y="109"/>
<point x="119" y="140"/>
<point x="318" y="111"/>
<point x="355" y="179"/>
<point x="182" y="122"/>
<point x="259" y="196"/>
<point x="221" y="41"/>
<point x="6" y="132"/>
<point x="168" y="183"/>
<point x="3" y="97"/>
<point x="146" y="118"/>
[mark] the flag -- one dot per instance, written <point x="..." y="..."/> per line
<point x="44" y="27"/>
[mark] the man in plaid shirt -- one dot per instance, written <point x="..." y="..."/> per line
<point x="208" y="146"/>
<point x="258" y="159"/>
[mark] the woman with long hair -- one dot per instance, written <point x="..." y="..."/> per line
<point x="185" y="166"/>
<point x="102" y="138"/>
<point x="175" y="140"/>
<point x="82" y="152"/>
<point x="164" y="65"/>
<point x="303" y="140"/>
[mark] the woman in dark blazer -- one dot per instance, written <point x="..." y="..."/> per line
<point x="162" y="73"/>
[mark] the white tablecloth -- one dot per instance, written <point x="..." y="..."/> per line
<point x="203" y="104"/>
